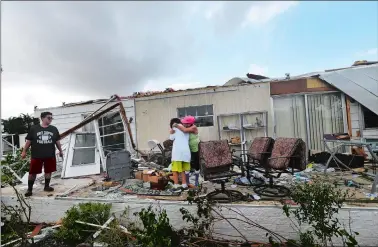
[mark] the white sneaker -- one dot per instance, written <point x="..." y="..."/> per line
<point x="175" y="186"/>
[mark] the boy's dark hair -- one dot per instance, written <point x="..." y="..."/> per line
<point x="174" y="120"/>
<point x="45" y="114"/>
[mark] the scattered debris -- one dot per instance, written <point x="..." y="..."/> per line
<point x="256" y="197"/>
<point x="36" y="230"/>
<point x="102" y="227"/>
<point x="96" y="234"/>
<point x="371" y="196"/>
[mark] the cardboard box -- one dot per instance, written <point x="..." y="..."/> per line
<point x="139" y="175"/>
<point x="145" y="177"/>
<point x="153" y="179"/>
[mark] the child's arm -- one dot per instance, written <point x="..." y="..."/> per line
<point x="172" y="135"/>
<point x="192" y="129"/>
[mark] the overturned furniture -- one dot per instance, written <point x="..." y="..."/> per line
<point x="288" y="155"/>
<point x="217" y="163"/>
<point x="163" y="157"/>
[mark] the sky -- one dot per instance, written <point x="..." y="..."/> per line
<point x="55" y="52"/>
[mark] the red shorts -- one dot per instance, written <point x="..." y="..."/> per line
<point x="49" y="165"/>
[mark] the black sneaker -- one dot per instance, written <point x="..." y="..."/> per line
<point x="48" y="189"/>
<point x="175" y="190"/>
<point x="28" y="193"/>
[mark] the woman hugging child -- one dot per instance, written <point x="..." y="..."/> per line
<point x="180" y="155"/>
<point x="188" y="126"/>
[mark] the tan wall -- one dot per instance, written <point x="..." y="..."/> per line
<point x="154" y="113"/>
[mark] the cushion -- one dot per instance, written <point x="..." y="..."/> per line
<point x="259" y="146"/>
<point x="215" y="153"/>
<point x="283" y="147"/>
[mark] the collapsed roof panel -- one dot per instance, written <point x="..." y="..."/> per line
<point x="360" y="83"/>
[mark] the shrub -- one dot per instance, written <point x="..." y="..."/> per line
<point x="318" y="204"/>
<point x="72" y="233"/>
<point x="156" y="230"/>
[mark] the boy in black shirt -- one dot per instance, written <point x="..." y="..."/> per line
<point x="42" y="138"/>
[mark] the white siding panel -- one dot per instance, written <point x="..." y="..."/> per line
<point x="154" y="113"/>
<point x="356" y="122"/>
<point x="67" y="117"/>
<point x="355" y="118"/>
<point x="371" y="133"/>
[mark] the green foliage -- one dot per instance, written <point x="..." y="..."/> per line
<point x="202" y="220"/>
<point x="318" y="205"/>
<point x="16" y="219"/>
<point x="17" y="164"/>
<point x="156" y="231"/>
<point x="114" y="237"/>
<point x="19" y="125"/>
<point x="72" y="233"/>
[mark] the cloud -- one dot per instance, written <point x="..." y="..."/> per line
<point x="95" y="47"/>
<point x="368" y="53"/>
<point x="178" y="83"/>
<point x="214" y="10"/>
<point x="22" y="99"/>
<point x="262" y="13"/>
<point x="55" y="50"/>
<point x="258" y="13"/>
<point x="258" y="70"/>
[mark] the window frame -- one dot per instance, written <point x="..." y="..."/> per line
<point x="363" y="118"/>
<point x="102" y="126"/>
<point x="69" y="170"/>
<point x="198" y="116"/>
<point x="75" y="148"/>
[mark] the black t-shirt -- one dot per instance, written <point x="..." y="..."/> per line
<point x="43" y="141"/>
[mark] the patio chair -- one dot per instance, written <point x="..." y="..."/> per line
<point x="257" y="155"/>
<point x="288" y="154"/>
<point x="164" y="157"/>
<point x="217" y="163"/>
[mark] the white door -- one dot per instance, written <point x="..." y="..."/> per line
<point x="83" y="156"/>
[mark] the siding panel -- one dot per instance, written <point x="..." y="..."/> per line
<point x="154" y="113"/>
<point x="67" y="117"/>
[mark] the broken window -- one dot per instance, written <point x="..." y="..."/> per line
<point x="112" y="132"/>
<point x="204" y="114"/>
<point x="84" y="149"/>
<point x="370" y="118"/>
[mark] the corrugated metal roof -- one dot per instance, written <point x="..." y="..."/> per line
<point x="240" y="80"/>
<point x="360" y="83"/>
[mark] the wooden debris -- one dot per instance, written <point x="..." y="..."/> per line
<point x="36" y="230"/>
<point x="102" y="227"/>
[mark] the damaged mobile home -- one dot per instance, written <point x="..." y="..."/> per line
<point x="98" y="130"/>
<point x="306" y="106"/>
<point x="299" y="112"/>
